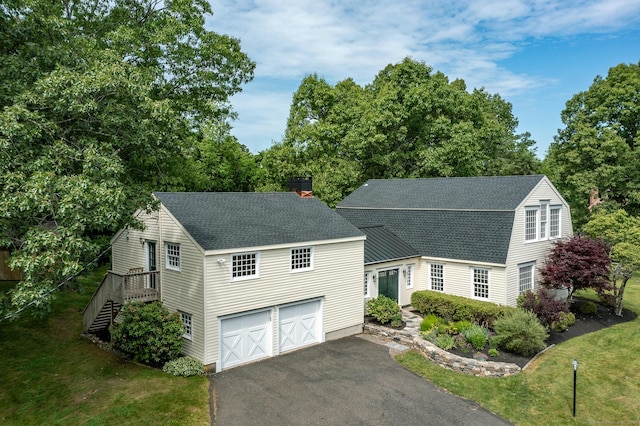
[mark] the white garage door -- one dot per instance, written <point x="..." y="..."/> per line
<point x="299" y="325"/>
<point x="245" y="338"/>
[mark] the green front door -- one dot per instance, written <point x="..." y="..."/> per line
<point x="388" y="283"/>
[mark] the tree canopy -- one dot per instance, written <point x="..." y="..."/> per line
<point x="597" y="153"/>
<point x="101" y="102"/>
<point x="409" y="122"/>
<point x="577" y="263"/>
<point x="622" y="232"/>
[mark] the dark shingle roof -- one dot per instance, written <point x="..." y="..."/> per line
<point x="226" y="220"/>
<point x="449" y="234"/>
<point x="465" y="193"/>
<point x="382" y="245"/>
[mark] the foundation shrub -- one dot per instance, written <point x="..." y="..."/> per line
<point x="588" y="307"/>
<point x="457" y="308"/>
<point x="543" y="304"/>
<point x="185" y="366"/>
<point x="520" y="332"/>
<point x="148" y="333"/>
<point x="384" y="309"/>
<point x="564" y="321"/>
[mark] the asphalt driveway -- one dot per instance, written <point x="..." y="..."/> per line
<point x="349" y="381"/>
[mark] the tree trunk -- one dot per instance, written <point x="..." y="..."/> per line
<point x="618" y="297"/>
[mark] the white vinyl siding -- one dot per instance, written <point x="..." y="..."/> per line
<point x="409" y="276"/>
<point x="342" y="305"/>
<point x="525" y="277"/>
<point x="172" y="251"/>
<point x="522" y="252"/>
<point x="245" y="266"/>
<point x="301" y="259"/>
<point x="436" y="276"/>
<point x="183" y="291"/>
<point x="480" y="283"/>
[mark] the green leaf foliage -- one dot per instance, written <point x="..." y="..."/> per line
<point x="148" y="333"/>
<point x="409" y="122"/>
<point x="520" y="332"/>
<point x="384" y="309"/>
<point x="185" y="366"/>
<point x="101" y="103"/>
<point x="597" y="153"/>
<point x="457" y="308"/>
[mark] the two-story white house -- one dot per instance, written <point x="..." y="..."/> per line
<point x="252" y="275"/>
<point x="479" y="237"/>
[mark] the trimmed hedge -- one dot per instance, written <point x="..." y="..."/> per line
<point x="457" y="308"/>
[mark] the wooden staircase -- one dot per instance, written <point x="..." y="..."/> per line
<point x="115" y="291"/>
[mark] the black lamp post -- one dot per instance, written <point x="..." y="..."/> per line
<point x="575" y="377"/>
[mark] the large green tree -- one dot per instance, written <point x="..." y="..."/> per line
<point x="101" y="101"/>
<point x="596" y="155"/>
<point x="409" y="122"/>
<point x="622" y="232"/>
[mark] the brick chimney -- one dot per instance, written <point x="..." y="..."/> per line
<point x="302" y="186"/>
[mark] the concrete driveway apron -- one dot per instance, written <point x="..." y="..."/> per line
<point x="349" y="381"/>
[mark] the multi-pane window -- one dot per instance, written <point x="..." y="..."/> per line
<point x="367" y="284"/>
<point x="244" y="265"/>
<point x="544" y="206"/>
<point x="530" y="224"/>
<point x="542" y="222"/>
<point x="173" y="256"/>
<point x="301" y="259"/>
<point x="481" y="283"/>
<point x="409" y="277"/>
<point x="437" y="277"/>
<point x="186" y="320"/>
<point x="554" y="221"/>
<point x="525" y="277"/>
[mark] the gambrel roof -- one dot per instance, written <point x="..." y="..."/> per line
<point x="467" y="218"/>
<point x="234" y="220"/>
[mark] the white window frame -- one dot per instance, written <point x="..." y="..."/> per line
<point x="241" y="257"/>
<point x="532" y="274"/>
<point x="543" y="217"/>
<point x="559" y="218"/>
<point x="433" y="276"/>
<point x="187" y="320"/>
<point x="531" y="235"/>
<point x="408" y="278"/>
<point x="172" y="256"/>
<point x="367" y="284"/>
<point x="475" y="283"/>
<point x="297" y="258"/>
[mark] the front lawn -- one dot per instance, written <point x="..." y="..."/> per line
<point x="608" y="378"/>
<point x="49" y="374"/>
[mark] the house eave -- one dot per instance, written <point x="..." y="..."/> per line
<point x="222" y="251"/>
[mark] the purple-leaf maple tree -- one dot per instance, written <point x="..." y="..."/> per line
<point x="578" y="263"/>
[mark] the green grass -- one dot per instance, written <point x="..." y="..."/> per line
<point x="608" y="379"/>
<point x="50" y="375"/>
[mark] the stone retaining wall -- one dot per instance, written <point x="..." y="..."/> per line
<point x="446" y="359"/>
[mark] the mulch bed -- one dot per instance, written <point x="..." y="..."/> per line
<point x="584" y="324"/>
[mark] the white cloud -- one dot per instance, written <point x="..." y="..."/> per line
<point x="353" y="38"/>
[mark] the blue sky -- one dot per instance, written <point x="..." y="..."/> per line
<point x="536" y="54"/>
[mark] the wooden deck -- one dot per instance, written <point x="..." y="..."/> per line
<point x="116" y="290"/>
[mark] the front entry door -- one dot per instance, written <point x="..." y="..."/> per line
<point x="388" y="283"/>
